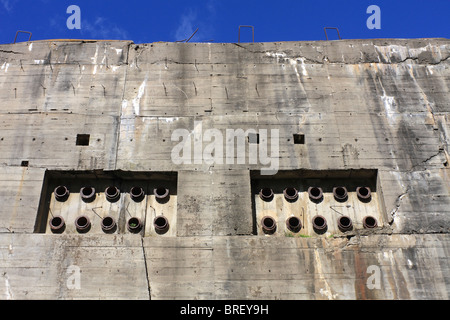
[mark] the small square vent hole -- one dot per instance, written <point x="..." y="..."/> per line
<point x="299" y="138"/>
<point x="83" y="139"/>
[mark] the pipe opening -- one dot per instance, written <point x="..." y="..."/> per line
<point x="290" y="193"/>
<point x="345" y="223"/>
<point x="137" y="193"/>
<point x="364" y="194"/>
<point x="108" y="224"/>
<point x="134" y="225"/>
<point x="315" y="194"/>
<point x="161" y="194"/>
<point x="82" y="224"/>
<point x="161" y="224"/>
<point x="57" y="224"/>
<point x="61" y="193"/>
<point x="294" y="224"/>
<point x="370" y="222"/>
<point x="87" y="194"/>
<point x="266" y="194"/>
<point x="112" y="194"/>
<point x="319" y="224"/>
<point x="268" y="224"/>
<point x="340" y="193"/>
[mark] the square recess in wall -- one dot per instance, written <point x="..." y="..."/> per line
<point x="83" y="139"/>
<point x="299" y="138"/>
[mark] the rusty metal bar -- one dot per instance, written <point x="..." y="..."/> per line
<point x="22" y="32"/>
<point x="192" y="35"/>
<point x="325" y="29"/>
<point x="253" y="33"/>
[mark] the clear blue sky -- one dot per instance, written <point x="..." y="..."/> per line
<point x="219" y="20"/>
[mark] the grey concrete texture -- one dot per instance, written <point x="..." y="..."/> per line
<point x="378" y="104"/>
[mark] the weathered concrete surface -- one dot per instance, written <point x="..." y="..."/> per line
<point x="361" y="104"/>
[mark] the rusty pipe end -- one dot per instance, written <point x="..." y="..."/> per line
<point x="345" y="223"/>
<point x="364" y="194"/>
<point x="57" y="224"/>
<point x="108" y="224"/>
<point x="161" y="194"/>
<point x="268" y="224"/>
<point x="290" y="194"/>
<point x="319" y="224"/>
<point x="315" y="194"/>
<point x="266" y="194"/>
<point x="112" y="193"/>
<point x="61" y="193"/>
<point x="293" y="224"/>
<point x="134" y="225"/>
<point x="340" y="194"/>
<point x="137" y="194"/>
<point x="370" y="222"/>
<point x="161" y="224"/>
<point x="83" y="224"/>
<point x="87" y="194"/>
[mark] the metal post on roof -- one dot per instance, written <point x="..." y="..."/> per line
<point x="325" y="29"/>
<point x="253" y="33"/>
<point x="20" y="31"/>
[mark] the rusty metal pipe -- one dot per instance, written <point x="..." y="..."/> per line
<point x="137" y="194"/>
<point x="364" y="194"/>
<point x="134" y="225"/>
<point x="112" y="194"/>
<point x="370" y="222"/>
<point x="345" y="223"/>
<point x="340" y="194"/>
<point x="161" y="193"/>
<point x="161" y="224"/>
<point x="87" y="194"/>
<point x="82" y="224"/>
<point x="319" y="223"/>
<point x="108" y="224"/>
<point x="61" y="193"/>
<point x="268" y="224"/>
<point x="293" y="224"/>
<point x="266" y="194"/>
<point x="290" y="194"/>
<point x="315" y="194"/>
<point x="57" y="224"/>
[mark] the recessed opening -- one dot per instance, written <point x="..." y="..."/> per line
<point x="111" y="191"/>
<point x="340" y="191"/>
<point x="294" y="224"/>
<point x="319" y="221"/>
<point x="87" y="191"/>
<point x="253" y="138"/>
<point x="24" y="163"/>
<point x="363" y="191"/>
<point x="370" y="222"/>
<point x="108" y="222"/>
<point x="82" y="221"/>
<point x="268" y="224"/>
<point x="299" y="138"/>
<point x="83" y="139"/>
<point x="160" y="222"/>
<point x="345" y="221"/>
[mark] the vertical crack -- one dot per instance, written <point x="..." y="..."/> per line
<point x="146" y="269"/>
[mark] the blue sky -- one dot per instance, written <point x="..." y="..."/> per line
<point x="219" y="20"/>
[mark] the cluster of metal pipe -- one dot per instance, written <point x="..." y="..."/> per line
<point x="319" y="223"/>
<point x="316" y="194"/>
<point x="108" y="224"/>
<point x="112" y="193"/>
